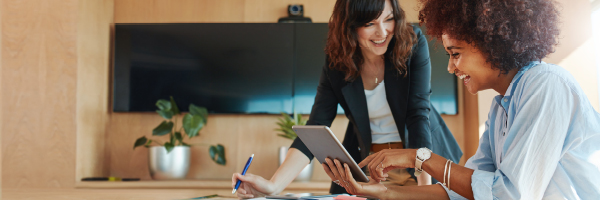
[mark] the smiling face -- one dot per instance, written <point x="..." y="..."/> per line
<point x="374" y="37"/>
<point x="469" y="64"/>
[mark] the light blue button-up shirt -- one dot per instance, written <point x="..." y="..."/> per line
<point x="541" y="140"/>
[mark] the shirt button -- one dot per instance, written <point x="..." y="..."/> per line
<point x="505" y="100"/>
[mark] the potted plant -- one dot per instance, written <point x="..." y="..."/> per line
<point x="285" y="130"/>
<point x="171" y="159"/>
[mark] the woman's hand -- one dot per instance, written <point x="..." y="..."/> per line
<point x="340" y="174"/>
<point x="385" y="160"/>
<point x="252" y="186"/>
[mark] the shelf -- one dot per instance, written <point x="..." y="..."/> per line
<point x="186" y="184"/>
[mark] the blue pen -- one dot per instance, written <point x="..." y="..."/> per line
<point x="237" y="185"/>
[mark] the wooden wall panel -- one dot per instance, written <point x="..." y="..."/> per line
<point x="269" y="11"/>
<point x="178" y="11"/>
<point x="1" y="113"/>
<point x="39" y="69"/>
<point x="242" y="135"/>
<point x="93" y="46"/>
<point x="411" y="10"/>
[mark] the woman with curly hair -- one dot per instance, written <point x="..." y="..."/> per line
<point x="542" y="136"/>
<point x="378" y="70"/>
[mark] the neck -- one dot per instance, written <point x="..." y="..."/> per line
<point x="504" y="81"/>
<point x="373" y="60"/>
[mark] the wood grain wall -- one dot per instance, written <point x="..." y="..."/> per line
<point x="1" y="113"/>
<point x="39" y="80"/>
<point x="93" y="80"/>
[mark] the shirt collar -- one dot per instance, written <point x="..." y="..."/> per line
<point x="505" y="100"/>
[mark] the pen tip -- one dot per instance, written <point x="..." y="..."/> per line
<point x="252" y="155"/>
<point x="233" y="192"/>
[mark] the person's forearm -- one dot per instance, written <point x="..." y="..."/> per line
<point x="414" y="192"/>
<point x="460" y="177"/>
<point x="294" y="162"/>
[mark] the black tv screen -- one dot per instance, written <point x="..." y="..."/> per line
<point x="227" y="68"/>
<point x="233" y="67"/>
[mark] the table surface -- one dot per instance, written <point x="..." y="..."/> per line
<point x="98" y="194"/>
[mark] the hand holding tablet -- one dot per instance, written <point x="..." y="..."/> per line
<point x="323" y="144"/>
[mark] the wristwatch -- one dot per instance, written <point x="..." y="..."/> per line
<point x="423" y="154"/>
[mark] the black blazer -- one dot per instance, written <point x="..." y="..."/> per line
<point x="408" y="98"/>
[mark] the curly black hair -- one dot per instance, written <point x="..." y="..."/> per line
<point x="510" y="33"/>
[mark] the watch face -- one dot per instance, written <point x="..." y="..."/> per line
<point x="423" y="153"/>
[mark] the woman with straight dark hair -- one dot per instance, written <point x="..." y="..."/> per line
<point x="378" y="70"/>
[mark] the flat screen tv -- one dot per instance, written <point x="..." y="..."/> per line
<point x="251" y="68"/>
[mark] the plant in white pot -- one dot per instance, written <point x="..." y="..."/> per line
<point x="285" y="130"/>
<point x="171" y="159"/>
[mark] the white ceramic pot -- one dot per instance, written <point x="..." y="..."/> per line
<point x="305" y="174"/>
<point x="169" y="166"/>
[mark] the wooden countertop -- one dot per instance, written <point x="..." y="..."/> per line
<point x="188" y="184"/>
<point x="126" y="193"/>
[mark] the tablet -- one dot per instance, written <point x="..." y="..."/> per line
<point x="322" y="143"/>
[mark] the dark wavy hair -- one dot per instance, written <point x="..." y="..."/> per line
<point x="342" y="49"/>
<point x="509" y="33"/>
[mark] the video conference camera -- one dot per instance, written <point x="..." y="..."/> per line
<point x="295" y="15"/>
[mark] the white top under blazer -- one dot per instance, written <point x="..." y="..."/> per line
<point x="383" y="126"/>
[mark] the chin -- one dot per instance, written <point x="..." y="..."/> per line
<point x="379" y="53"/>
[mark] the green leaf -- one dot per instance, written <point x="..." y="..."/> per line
<point x="212" y="151"/>
<point x="172" y="138"/>
<point x="178" y="137"/>
<point x="140" y="141"/>
<point x="148" y="143"/>
<point x="303" y="122"/>
<point x="165" y="114"/>
<point x="185" y="144"/>
<point x="169" y="146"/>
<point x="163" y="105"/>
<point x="199" y="111"/>
<point x="192" y="124"/>
<point x="297" y="118"/>
<point x="285" y="125"/>
<point x="174" y="107"/>
<point x="286" y="117"/>
<point x="217" y="154"/>
<point x="163" y="128"/>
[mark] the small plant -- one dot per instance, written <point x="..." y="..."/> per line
<point x="192" y="123"/>
<point x="286" y="123"/>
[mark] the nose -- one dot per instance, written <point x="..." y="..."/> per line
<point x="381" y="30"/>
<point x="451" y="67"/>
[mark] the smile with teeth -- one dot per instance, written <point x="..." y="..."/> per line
<point x="466" y="78"/>
<point x="379" y="41"/>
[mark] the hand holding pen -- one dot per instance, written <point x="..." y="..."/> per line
<point x="251" y="185"/>
<point x="237" y="185"/>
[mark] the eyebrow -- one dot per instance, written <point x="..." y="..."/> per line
<point x="453" y="47"/>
